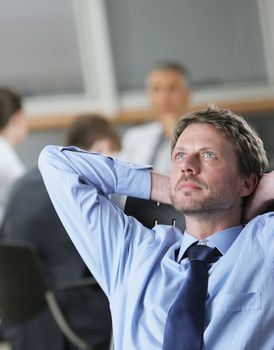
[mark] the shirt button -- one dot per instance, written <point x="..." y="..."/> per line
<point x="203" y="242"/>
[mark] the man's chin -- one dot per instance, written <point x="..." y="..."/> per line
<point x="186" y="204"/>
<point x="184" y="209"/>
<point x="196" y="211"/>
<point x="188" y="211"/>
<point x="193" y="208"/>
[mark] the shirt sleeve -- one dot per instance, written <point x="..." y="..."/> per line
<point x="79" y="184"/>
<point x="264" y="224"/>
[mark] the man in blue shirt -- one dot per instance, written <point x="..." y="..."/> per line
<point x="218" y="162"/>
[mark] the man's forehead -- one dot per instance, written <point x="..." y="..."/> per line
<point x="202" y="133"/>
<point x="160" y="75"/>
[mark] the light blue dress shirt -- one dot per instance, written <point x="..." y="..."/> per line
<point x="139" y="269"/>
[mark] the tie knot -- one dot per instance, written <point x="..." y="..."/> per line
<point x="201" y="253"/>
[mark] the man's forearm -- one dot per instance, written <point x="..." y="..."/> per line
<point x="160" y="188"/>
<point x="79" y="184"/>
<point x="262" y="197"/>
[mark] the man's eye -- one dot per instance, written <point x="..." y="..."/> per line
<point x="208" y="154"/>
<point x="179" y="156"/>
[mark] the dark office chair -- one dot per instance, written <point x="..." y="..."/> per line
<point x="24" y="291"/>
<point x="2" y="338"/>
<point x="151" y="213"/>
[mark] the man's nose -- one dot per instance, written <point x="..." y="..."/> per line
<point x="190" y="165"/>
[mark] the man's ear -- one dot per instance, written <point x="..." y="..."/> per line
<point x="249" y="184"/>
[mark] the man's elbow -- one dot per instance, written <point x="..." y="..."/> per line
<point x="47" y="156"/>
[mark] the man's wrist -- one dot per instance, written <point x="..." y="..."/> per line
<point x="160" y="190"/>
<point x="133" y="179"/>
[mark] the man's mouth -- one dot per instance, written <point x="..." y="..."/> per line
<point x="190" y="184"/>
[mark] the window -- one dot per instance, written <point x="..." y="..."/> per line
<point x="39" y="47"/>
<point x="219" y="41"/>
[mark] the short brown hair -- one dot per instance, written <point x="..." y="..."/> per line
<point x="87" y="129"/>
<point x="248" y="145"/>
<point x="10" y="103"/>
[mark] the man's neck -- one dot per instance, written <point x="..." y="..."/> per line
<point x="203" y="226"/>
<point x="168" y="122"/>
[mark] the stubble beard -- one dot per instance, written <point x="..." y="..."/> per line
<point x="205" y="206"/>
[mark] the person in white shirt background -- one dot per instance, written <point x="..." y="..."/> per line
<point x="169" y="95"/>
<point x="13" y="130"/>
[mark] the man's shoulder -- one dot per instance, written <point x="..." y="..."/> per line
<point x="29" y="186"/>
<point x="31" y="177"/>
<point x="262" y="219"/>
<point x="261" y="227"/>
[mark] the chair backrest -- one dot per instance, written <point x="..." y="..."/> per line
<point x="22" y="286"/>
<point x="151" y="213"/>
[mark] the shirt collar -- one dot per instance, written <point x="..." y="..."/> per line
<point x="222" y="240"/>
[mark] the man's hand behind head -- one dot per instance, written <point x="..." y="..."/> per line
<point x="262" y="197"/>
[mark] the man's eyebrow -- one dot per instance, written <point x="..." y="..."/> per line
<point x="179" y="148"/>
<point x="183" y="149"/>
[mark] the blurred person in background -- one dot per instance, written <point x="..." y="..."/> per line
<point x="30" y="217"/>
<point x="94" y="133"/>
<point x="169" y="94"/>
<point x="13" y="130"/>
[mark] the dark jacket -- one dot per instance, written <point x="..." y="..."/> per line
<point x="30" y="217"/>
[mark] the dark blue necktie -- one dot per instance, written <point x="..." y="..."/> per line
<point x="185" y="320"/>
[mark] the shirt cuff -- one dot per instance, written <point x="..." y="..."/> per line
<point x="133" y="179"/>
